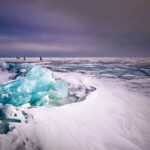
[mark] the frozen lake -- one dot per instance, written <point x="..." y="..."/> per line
<point x="107" y="106"/>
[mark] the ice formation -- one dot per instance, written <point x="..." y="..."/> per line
<point x="17" y="67"/>
<point x="113" y="117"/>
<point x="37" y="87"/>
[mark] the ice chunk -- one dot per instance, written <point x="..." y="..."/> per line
<point x="9" y="113"/>
<point x="4" y="128"/>
<point x="37" y="87"/>
<point x="14" y="67"/>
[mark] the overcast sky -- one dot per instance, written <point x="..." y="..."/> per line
<point x="74" y="28"/>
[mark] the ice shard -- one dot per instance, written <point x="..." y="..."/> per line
<point x="37" y="87"/>
<point x="4" y="128"/>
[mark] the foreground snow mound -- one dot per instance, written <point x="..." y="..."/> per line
<point x="37" y="87"/>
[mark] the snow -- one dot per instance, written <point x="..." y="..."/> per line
<point x="110" y="118"/>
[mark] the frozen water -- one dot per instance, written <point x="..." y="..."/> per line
<point x="38" y="88"/>
<point x="4" y="128"/>
<point x="11" y="67"/>
<point x="114" y="116"/>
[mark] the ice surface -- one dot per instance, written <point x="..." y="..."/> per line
<point x="38" y="88"/>
<point x="112" y="117"/>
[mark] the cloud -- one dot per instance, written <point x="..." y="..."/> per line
<point x="27" y="46"/>
<point x="97" y="27"/>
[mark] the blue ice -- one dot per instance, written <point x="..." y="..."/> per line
<point x="37" y="87"/>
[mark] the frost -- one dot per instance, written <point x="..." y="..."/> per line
<point x="37" y="87"/>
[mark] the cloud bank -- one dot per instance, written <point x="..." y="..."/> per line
<point x="75" y="28"/>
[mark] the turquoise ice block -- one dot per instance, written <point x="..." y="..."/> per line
<point x="37" y="87"/>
